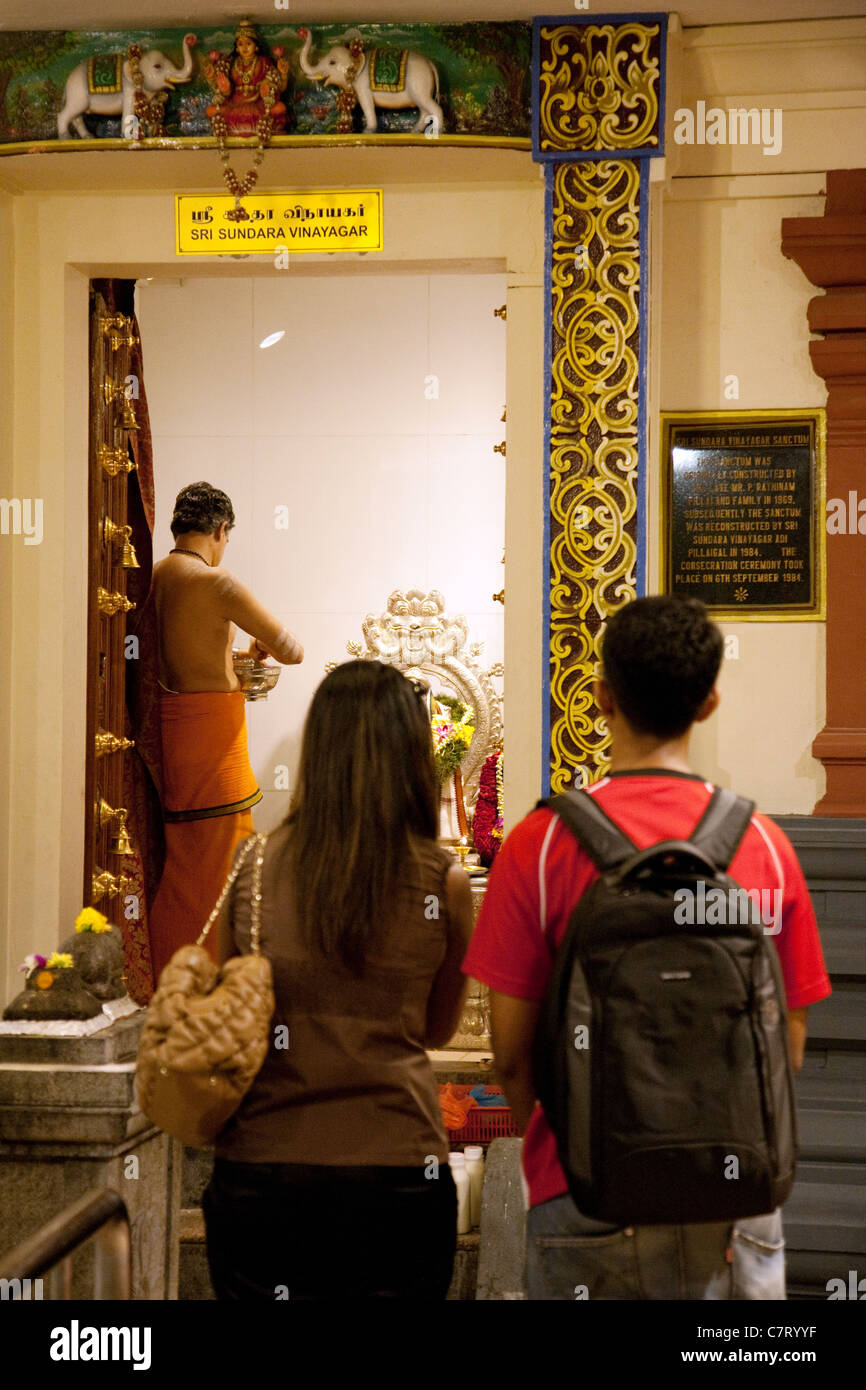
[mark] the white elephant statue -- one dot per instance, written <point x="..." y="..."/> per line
<point x="414" y="80"/>
<point x="111" y="91"/>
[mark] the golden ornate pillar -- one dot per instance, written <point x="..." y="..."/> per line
<point x="598" y="117"/>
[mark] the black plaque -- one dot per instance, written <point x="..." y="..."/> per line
<point x="742" y="505"/>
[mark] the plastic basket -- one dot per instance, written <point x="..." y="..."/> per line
<point x="484" y="1122"/>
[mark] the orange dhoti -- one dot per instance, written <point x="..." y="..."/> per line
<point x="208" y="788"/>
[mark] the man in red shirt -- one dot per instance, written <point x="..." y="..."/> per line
<point x="660" y="664"/>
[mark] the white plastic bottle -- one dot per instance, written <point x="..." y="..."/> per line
<point x="473" y="1157"/>
<point x="457" y="1162"/>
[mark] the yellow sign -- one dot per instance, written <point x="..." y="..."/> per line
<point x="340" y="219"/>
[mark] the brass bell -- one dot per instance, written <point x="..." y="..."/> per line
<point x="111" y="532"/>
<point x="129" y="559"/>
<point x="129" y="420"/>
<point x="121" y="844"/>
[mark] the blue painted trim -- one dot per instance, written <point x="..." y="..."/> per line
<point x="566" y="156"/>
<point x="545" y="463"/>
<point x="641" y="491"/>
<point x="534" y="73"/>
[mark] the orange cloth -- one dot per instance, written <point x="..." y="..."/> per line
<point x="455" y="1108"/>
<point x="208" y="788"/>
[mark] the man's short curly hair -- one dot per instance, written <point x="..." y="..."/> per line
<point x="200" y="507"/>
<point x="660" y="658"/>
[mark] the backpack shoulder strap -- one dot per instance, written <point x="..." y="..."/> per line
<point x="604" y="842"/>
<point x="722" y="826"/>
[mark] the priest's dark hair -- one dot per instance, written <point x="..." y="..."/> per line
<point x="200" y="507"/>
<point x="367" y="791"/>
<point x="660" y="659"/>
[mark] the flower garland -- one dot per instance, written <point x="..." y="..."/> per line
<point x="149" y="112"/>
<point x="239" y="188"/>
<point x="268" y="92"/>
<point x="487" y="823"/>
<point x="347" y="97"/>
<point x="451" y="736"/>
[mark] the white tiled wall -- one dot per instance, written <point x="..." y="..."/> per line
<point x="387" y="486"/>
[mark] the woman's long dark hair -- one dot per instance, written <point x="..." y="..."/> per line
<point x="367" y="787"/>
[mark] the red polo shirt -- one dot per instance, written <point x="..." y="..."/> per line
<point x="541" y="872"/>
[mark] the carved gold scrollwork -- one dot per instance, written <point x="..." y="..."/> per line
<point x="593" y="443"/>
<point x="598" y="86"/>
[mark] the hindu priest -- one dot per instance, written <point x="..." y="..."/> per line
<point x="208" y="786"/>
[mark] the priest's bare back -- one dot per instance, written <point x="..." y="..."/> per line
<point x="199" y="605"/>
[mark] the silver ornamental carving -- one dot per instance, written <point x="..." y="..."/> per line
<point x="415" y="633"/>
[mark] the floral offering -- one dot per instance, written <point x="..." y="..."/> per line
<point x="452" y="734"/>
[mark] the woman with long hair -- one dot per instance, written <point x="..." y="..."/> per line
<point x="332" y="1179"/>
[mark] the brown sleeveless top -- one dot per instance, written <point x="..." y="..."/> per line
<point x="354" y="1085"/>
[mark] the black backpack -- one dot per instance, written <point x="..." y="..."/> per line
<point x="661" y="1052"/>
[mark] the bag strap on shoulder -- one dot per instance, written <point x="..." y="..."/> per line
<point x="717" y="834"/>
<point x="255" y="897"/>
<point x="722" y="826"/>
<point x="604" y="842"/>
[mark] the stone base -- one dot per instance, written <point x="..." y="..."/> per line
<point x="70" y="1124"/>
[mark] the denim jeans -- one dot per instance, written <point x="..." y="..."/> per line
<point x="301" y="1232"/>
<point x="569" y="1256"/>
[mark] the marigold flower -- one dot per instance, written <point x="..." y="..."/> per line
<point x="89" y="919"/>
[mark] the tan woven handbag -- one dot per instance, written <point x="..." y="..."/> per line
<point x="207" y="1029"/>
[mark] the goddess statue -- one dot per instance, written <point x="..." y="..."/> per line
<point x="248" y="82"/>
